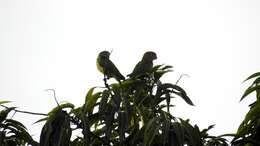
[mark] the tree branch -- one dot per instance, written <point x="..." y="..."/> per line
<point x="26" y="112"/>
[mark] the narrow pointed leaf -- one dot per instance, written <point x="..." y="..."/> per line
<point x="3" y="102"/>
<point x="103" y="102"/>
<point x="179" y="132"/>
<point x="91" y="102"/>
<point x="252" y="76"/>
<point x="156" y="67"/>
<point x="256" y="81"/>
<point x="122" y="125"/>
<point x="165" y="131"/>
<point x="151" y="130"/>
<point x="89" y="94"/>
<point x="41" y="120"/>
<point x="249" y="90"/>
<point x="61" y="106"/>
<point x="16" y="123"/>
<point x="167" y="67"/>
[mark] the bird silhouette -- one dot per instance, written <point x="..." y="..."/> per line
<point x="145" y="65"/>
<point x="107" y="67"/>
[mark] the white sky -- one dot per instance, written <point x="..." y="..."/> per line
<point x="54" y="44"/>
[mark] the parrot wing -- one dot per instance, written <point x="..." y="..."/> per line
<point x="112" y="71"/>
<point x="141" y="68"/>
<point x="137" y="70"/>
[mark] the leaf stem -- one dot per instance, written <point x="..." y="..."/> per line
<point x="26" y="112"/>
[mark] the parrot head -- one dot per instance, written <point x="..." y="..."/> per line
<point x="149" y="56"/>
<point x="104" y="55"/>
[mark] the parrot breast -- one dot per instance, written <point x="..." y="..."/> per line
<point x="99" y="67"/>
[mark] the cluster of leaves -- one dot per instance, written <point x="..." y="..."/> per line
<point x="134" y="112"/>
<point x="12" y="132"/>
<point x="248" y="133"/>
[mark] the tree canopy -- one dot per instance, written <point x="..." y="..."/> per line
<point x="133" y="112"/>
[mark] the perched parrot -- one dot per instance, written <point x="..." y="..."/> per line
<point x="145" y="65"/>
<point x="107" y="67"/>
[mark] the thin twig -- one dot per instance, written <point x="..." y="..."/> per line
<point x="32" y="113"/>
<point x="54" y="94"/>
<point x="13" y="114"/>
<point x="26" y="112"/>
<point x="181" y="77"/>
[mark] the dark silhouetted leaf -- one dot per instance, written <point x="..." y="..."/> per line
<point x="252" y="76"/>
<point x="249" y="90"/>
<point x="151" y="130"/>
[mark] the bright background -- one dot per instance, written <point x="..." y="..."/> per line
<point x="54" y="44"/>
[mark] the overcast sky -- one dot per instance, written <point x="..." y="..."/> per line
<point x="54" y="44"/>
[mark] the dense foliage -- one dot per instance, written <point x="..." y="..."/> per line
<point x="248" y="133"/>
<point x="12" y="132"/>
<point x="134" y="112"/>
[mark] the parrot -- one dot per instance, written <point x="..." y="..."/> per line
<point x="107" y="67"/>
<point x="145" y="65"/>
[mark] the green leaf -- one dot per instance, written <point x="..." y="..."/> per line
<point x="137" y="136"/>
<point x="165" y="106"/>
<point x="57" y="109"/>
<point x="4" y="113"/>
<point x="122" y="125"/>
<point x="116" y="99"/>
<point x="151" y="130"/>
<point x="16" y="124"/>
<point x="156" y="67"/>
<point x="160" y="70"/>
<point x="89" y="94"/>
<point x="45" y="134"/>
<point x="190" y="133"/>
<point x="167" y="67"/>
<point x="256" y="81"/>
<point x="41" y="120"/>
<point x="103" y="102"/>
<point x="167" y="87"/>
<point x="165" y="131"/>
<point x="168" y="101"/>
<point x="127" y="83"/>
<point x="23" y="136"/>
<point x="250" y="121"/>
<point x="183" y="94"/>
<point x="86" y="127"/>
<point x="109" y="118"/>
<point x="93" y="119"/>
<point x="252" y="76"/>
<point x="57" y="130"/>
<point x="204" y="131"/>
<point x="128" y="109"/>
<point x="249" y="90"/>
<point x="91" y="101"/>
<point x="179" y="131"/>
<point x="3" y="102"/>
<point x="185" y="98"/>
